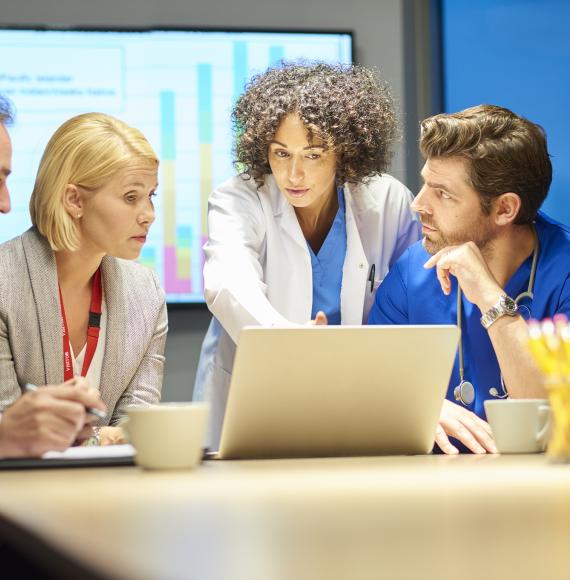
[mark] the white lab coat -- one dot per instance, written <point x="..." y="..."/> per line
<point x="258" y="267"/>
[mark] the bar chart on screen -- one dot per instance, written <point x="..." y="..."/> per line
<point x="177" y="86"/>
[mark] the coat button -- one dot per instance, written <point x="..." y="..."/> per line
<point x="361" y="265"/>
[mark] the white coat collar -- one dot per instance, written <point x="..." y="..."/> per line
<point x="356" y="267"/>
<point x="283" y="212"/>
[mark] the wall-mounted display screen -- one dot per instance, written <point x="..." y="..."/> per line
<point x="176" y="86"/>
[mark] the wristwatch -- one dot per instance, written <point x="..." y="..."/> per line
<point x="506" y="306"/>
<point x="94" y="439"/>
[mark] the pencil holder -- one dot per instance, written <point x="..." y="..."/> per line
<point x="559" y="398"/>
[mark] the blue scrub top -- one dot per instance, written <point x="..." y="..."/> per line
<point x="410" y="294"/>
<point x="327" y="267"/>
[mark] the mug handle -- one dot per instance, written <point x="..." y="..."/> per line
<point x="544" y="413"/>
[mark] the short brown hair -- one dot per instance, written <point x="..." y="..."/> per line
<point x="505" y="153"/>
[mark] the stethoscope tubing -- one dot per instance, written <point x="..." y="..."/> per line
<point x="528" y="293"/>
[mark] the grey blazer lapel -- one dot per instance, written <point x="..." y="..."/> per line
<point x="112" y="382"/>
<point x="43" y="279"/>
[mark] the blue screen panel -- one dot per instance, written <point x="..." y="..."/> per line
<point x="514" y="53"/>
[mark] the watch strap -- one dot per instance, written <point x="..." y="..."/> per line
<point x="505" y="306"/>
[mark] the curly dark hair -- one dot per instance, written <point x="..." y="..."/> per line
<point x="346" y="106"/>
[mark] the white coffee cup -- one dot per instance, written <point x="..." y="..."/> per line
<point x="519" y="425"/>
<point x="168" y="435"/>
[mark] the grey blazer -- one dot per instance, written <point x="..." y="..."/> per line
<point x="31" y="346"/>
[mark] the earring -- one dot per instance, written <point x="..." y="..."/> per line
<point x="78" y="215"/>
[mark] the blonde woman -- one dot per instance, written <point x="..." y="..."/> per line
<point x="72" y="302"/>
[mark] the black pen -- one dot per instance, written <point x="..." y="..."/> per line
<point x="29" y="388"/>
<point x="371" y="277"/>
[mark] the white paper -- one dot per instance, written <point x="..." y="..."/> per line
<point x="92" y="452"/>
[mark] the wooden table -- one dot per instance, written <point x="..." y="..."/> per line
<point x="480" y="517"/>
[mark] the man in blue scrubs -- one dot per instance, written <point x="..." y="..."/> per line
<point x="486" y="174"/>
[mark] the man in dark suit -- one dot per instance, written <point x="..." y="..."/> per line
<point x="52" y="417"/>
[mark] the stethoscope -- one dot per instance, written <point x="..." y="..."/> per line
<point x="464" y="392"/>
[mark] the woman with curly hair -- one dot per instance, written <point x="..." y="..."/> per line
<point x="310" y="226"/>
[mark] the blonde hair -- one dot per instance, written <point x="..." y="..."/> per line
<point x="86" y="151"/>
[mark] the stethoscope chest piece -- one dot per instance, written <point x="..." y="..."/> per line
<point x="464" y="392"/>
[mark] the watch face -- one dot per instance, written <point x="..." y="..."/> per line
<point x="509" y="304"/>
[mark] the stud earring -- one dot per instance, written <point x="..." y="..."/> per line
<point x="78" y="215"/>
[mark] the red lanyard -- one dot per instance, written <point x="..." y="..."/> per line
<point x="92" y="330"/>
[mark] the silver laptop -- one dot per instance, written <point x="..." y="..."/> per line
<point x="337" y="390"/>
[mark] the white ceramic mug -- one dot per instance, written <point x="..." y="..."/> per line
<point x="169" y="435"/>
<point x="519" y="425"/>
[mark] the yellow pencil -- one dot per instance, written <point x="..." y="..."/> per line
<point x="540" y="351"/>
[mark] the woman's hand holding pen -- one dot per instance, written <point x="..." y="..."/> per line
<point x="50" y="418"/>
